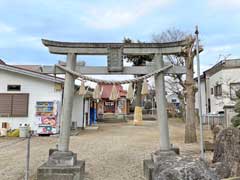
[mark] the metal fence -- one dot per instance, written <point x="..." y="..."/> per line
<point x="213" y="119"/>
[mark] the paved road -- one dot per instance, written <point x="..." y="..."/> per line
<point x="113" y="152"/>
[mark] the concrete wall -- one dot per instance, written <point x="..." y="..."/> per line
<point x="77" y="112"/>
<point x="203" y="98"/>
<point x="39" y="90"/>
<point x="87" y="110"/>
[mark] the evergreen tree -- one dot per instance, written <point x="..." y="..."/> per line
<point x="236" y="119"/>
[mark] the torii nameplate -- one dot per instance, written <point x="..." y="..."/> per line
<point x="115" y="59"/>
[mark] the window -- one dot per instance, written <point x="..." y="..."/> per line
<point x="14" y="105"/>
<point x="14" y="87"/>
<point x="218" y="90"/>
<point x="211" y="91"/>
<point x="174" y="100"/>
<point x="109" y="106"/>
<point x="209" y="105"/>
<point x="233" y="88"/>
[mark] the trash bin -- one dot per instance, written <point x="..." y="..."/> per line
<point x="23" y="131"/>
<point x="3" y="132"/>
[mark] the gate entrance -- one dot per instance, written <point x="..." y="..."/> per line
<point x="62" y="157"/>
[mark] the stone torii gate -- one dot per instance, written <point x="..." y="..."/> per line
<point x="63" y="163"/>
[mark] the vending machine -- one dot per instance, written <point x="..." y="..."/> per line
<point x="47" y="117"/>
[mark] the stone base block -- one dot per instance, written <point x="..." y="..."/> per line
<point x="173" y="151"/>
<point x="148" y="164"/>
<point x="58" y="158"/>
<point x="49" y="172"/>
<point x="176" y="150"/>
<point x="51" y="151"/>
<point x="148" y="167"/>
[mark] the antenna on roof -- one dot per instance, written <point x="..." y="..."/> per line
<point x="222" y="57"/>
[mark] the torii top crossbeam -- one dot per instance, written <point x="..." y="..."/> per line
<point x="58" y="47"/>
<point x="115" y="52"/>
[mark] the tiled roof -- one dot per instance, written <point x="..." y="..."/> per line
<point x="107" y="89"/>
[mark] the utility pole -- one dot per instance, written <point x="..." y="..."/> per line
<point x="199" y="95"/>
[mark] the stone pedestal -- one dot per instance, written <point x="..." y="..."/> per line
<point x="148" y="164"/>
<point x="58" y="158"/>
<point x="167" y="165"/>
<point x="61" y="166"/>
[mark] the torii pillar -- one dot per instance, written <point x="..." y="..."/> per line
<point x="63" y="164"/>
<point x="165" y="148"/>
<point x="161" y="104"/>
<point x="66" y="116"/>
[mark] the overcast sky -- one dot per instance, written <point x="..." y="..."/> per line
<point x="24" y="23"/>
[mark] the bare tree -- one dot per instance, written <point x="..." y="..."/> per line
<point x="187" y="82"/>
<point x="173" y="87"/>
<point x="137" y="60"/>
<point x="176" y="82"/>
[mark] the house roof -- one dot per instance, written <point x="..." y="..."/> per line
<point x="36" y="68"/>
<point x="107" y="89"/>
<point x="202" y="77"/>
<point x="224" y="64"/>
<point x="31" y="73"/>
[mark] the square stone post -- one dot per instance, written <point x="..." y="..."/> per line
<point x="161" y="104"/>
<point x="66" y="116"/>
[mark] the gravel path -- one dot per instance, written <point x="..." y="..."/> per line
<point x="113" y="152"/>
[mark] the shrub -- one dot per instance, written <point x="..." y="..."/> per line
<point x="236" y="119"/>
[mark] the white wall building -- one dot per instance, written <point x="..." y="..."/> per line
<point x="172" y="98"/>
<point x="35" y="86"/>
<point x="218" y="86"/>
<point x="21" y="89"/>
